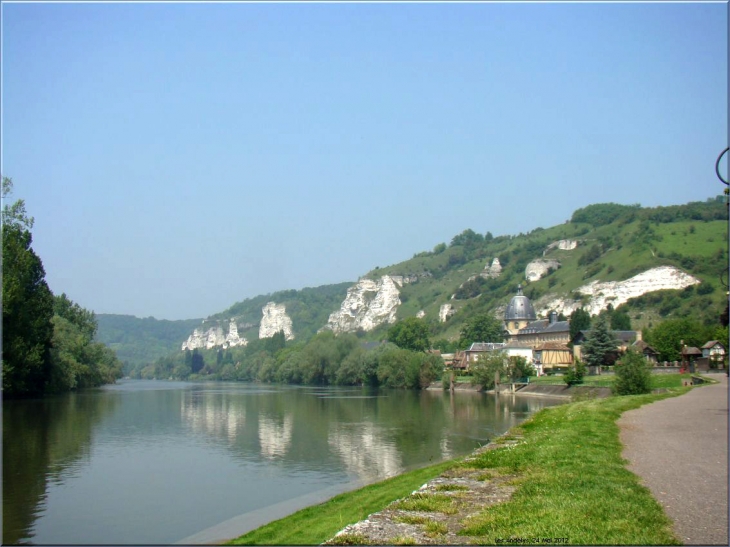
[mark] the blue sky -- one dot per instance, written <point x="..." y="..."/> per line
<point x="179" y="158"/>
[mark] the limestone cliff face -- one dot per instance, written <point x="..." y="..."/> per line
<point x="275" y="319"/>
<point x="446" y="311"/>
<point x="367" y="304"/>
<point x="537" y="269"/>
<point x="493" y="271"/>
<point x="603" y="293"/>
<point x="563" y="245"/>
<point x="214" y="337"/>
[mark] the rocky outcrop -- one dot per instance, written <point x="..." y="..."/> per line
<point x="537" y="269"/>
<point x="493" y="271"/>
<point x="446" y="311"/>
<point x="421" y="314"/>
<point x="232" y="338"/>
<point x="214" y="337"/>
<point x="275" y="319"/>
<point x="367" y="304"/>
<point x="563" y="245"/>
<point x="603" y="293"/>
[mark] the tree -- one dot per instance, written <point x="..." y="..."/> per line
<point x="198" y="362"/>
<point x="579" y="320"/>
<point x="27" y="306"/>
<point x="667" y="337"/>
<point x="487" y="366"/>
<point x="411" y="333"/>
<point x="633" y="375"/>
<point x="520" y="368"/>
<point x="481" y="328"/>
<point x="620" y="320"/>
<point x="599" y="345"/>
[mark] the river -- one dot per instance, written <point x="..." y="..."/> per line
<point x="159" y="462"/>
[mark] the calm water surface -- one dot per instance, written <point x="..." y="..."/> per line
<point x="156" y="462"/>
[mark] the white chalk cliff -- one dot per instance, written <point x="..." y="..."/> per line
<point x="603" y="293"/>
<point x="537" y="269"/>
<point x="275" y="319"/>
<point x="563" y="245"/>
<point x="446" y="311"/>
<point x="367" y="304"/>
<point x="213" y="337"/>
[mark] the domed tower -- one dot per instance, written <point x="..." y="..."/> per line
<point x="519" y="312"/>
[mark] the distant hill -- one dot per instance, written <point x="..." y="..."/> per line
<point x="141" y="341"/>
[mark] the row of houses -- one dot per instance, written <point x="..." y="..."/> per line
<point x="544" y="342"/>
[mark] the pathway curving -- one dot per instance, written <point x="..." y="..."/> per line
<point x="678" y="447"/>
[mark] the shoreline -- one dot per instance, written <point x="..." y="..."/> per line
<point x="551" y="436"/>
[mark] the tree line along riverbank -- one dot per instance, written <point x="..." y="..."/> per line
<point x="571" y="482"/>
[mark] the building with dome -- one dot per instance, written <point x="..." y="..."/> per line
<point x="519" y="313"/>
<point x="547" y="337"/>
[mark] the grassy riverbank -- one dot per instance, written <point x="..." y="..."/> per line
<point x="572" y="483"/>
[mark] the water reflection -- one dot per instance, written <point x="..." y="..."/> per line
<point x="275" y="435"/>
<point x="44" y="441"/>
<point x="364" y="450"/>
<point x="215" y="451"/>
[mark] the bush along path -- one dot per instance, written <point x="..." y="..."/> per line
<point x="559" y="478"/>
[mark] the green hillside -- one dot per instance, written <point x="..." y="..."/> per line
<point x="616" y="242"/>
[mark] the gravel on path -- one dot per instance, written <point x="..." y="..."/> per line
<point x="678" y="447"/>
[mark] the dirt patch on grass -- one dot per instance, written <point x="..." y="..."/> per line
<point x="435" y="513"/>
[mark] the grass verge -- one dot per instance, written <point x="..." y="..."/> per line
<point x="316" y="524"/>
<point x="574" y="482"/>
<point x="573" y="485"/>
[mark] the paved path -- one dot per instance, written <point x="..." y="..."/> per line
<point x="678" y="447"/>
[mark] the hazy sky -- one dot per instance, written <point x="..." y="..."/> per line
<point x="179" y="158"/>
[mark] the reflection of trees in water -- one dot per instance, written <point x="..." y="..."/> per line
<point x="43" y="439"/>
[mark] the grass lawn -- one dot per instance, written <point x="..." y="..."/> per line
<point x="606" y="380"/>
<point x="572" y="484"/>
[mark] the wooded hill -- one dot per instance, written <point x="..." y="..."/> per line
<point x="616" y="242"/>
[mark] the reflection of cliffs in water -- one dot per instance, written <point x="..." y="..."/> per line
<point x="275" y="435"/>
<point x="43" y="440"/>
<point x="215" y="416"/>
<point x="365" y="450"/>
<point x="352" y="430"/>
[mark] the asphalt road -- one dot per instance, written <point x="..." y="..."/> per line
<point x="678" y="447"/>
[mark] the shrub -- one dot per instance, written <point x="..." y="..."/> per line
<point x="633" y="375"/>
<point x="575" y="373"/>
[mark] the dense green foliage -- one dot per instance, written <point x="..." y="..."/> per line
<point x="579" y="320"/>
<point x="48" y="342"/>
<point x="411" y="333"/>
<point x="326" y="359"/>
<point x="27" y="314"/>
<point x="484" y="327"/>
<point x="633" y="375"/>
<point x="667" y="337"/>
<point x="488" y="367"/>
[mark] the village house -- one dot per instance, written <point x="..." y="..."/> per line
<point x="714" y="351"/>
